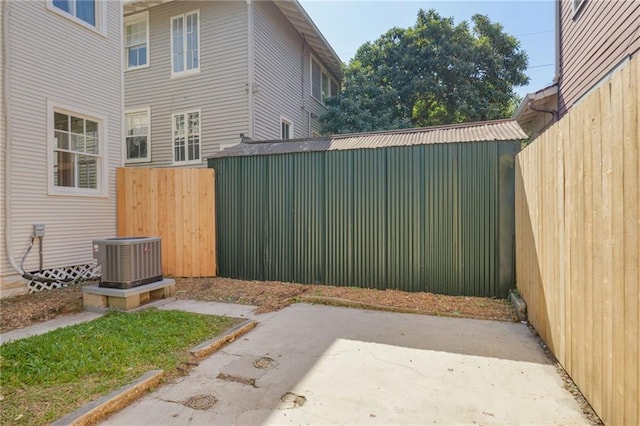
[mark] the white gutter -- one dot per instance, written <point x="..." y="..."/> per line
<point x="6" y="99"/>
<point x="532" y="97"/>
<point x="251" y="83"/>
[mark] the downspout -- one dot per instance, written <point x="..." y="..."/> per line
<point x="6" y="99"/>
<point x="251" y="72"/>
<point x="302" y="96"/>
<point x="123" y="144"/>
<point x="556" y="77"/>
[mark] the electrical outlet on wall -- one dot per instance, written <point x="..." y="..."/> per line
<point x="38" y="230"/>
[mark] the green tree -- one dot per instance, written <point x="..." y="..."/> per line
<point x="433" y="73"/>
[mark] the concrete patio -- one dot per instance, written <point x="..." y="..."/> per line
<point x="311" y="364"/>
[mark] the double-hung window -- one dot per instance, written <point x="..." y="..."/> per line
<point x="136" y="39"/>
<point x="286" y="129"/>
<point x="186" y="137"/>
<point x="322" y="85"/>
<point x="77" y="160"/>
<point x="137" y="137"/>
<point x="86" y="12"/>
<point x="316" y="79"/>
<point x="185" y="44"/>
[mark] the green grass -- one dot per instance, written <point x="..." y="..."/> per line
<point x="45" y="377"/>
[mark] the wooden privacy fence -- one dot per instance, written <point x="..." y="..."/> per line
<point x="177" y="205"/>
<point x="578" y="243"/>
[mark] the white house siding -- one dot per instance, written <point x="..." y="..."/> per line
<point x="219" y="91"/>
<point x="55" y="59"/>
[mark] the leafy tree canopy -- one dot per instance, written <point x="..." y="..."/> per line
<point x="433" y="73"/>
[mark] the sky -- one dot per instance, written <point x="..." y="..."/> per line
<point x="347" y="24"/>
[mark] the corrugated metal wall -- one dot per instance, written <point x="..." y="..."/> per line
<point x="436" y="218"/>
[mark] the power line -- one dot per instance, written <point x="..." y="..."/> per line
<point x="535" y="33"/>
<point x="541" y="66"/>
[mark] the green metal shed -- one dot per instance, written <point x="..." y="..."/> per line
<point x="429" y="209"/>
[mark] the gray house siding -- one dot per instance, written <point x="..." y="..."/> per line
<point x="219" y="91"/>
<point x="283" y="76"/>
<point x="592" y="42"/>
<point x="54" y="60"/>
<point x="279" y="73"/>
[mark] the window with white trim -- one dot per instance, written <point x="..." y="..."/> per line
<point x="77" y="158"/>
<point x="286" y="129"/>
<point x="577" y="5"/>
<point x="334" y="88"/>
<point x="323" y="85"/>
<point x="136" y="41"/>
<point x="185" y="43"/>
<point x="186" y="137"/>
<point x="137" y="137"/>
<point x="85" y="12"/>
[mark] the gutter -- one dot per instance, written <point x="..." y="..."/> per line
<point x="554" y="113"/>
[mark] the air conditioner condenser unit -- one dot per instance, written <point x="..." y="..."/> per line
<point x="128" y="261"/>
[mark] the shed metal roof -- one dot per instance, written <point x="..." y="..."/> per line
<point x="483" y="131"/>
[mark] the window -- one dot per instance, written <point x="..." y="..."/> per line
<point x="316" y="82"/>
<point x="86" y="12"/>
<point x="137" y="138"/>
<point x="286" y="129"/>
<point x="325" y="86"/>
<point x="136" y="41"/>
<point x="185" y="44"/>
<point x="577" y="5"/>
<point x="76" y="163"/>
<point x="334" y="88"/>
<point x="186" y="137"/>
<point x="322" y="85"/>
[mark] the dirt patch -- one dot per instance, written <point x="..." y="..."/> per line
<point x="25" y="310"/>
<point x="271" y="296"/>
<point x="28" y="309"/>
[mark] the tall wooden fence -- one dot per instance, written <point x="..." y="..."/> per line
<point x="578" y="243"/>
<point x="177" y="205"/>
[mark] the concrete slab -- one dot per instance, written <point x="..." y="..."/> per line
<point x="347" y="366"/>
<point x="48" y="326"/>
<point x="101" y="299"/>
<point x="215" y="308"/>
